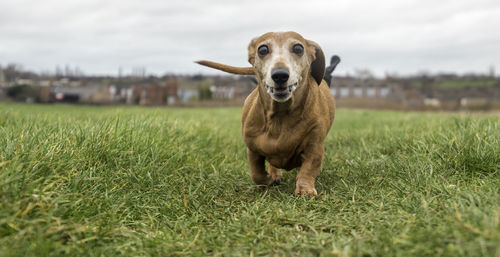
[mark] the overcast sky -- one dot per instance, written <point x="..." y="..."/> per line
<point x="166" y="36"/>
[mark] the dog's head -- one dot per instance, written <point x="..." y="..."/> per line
<point x="282" y="62"/>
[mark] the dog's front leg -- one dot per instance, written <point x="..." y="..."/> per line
<point x="275" y="175"/>
<point x="309" y="169"/>
<point x="258" y="168"/>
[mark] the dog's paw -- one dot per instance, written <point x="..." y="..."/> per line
<point x="276" y="176"/>
<point x="275" y="182"/>
<point x="302" y="188"/>
<point x="309" y="192"/>
<point x="269" y="180"/>
<point x="276" y="179"/>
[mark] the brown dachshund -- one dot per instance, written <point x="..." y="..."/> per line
<point x="287" y="116"/>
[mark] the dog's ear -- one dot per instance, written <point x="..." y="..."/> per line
<point x="251" y="51"/>
<point x="318" y="63"/>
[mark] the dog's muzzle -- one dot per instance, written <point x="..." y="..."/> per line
<point x="281" y="92"/>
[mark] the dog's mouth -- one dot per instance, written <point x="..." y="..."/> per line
<point x="281" y="92"/>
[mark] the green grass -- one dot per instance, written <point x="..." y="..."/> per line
<point x="130" y="181"/>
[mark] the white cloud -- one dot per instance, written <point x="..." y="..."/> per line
<point x="167" y="36"/>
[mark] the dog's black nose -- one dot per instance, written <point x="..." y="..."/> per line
<point x="280" y="75"/>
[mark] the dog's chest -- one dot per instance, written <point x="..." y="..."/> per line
<point x="276" y="145"/>
<point x="280" y="146"/>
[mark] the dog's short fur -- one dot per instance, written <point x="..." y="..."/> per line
<point x="287" y="117"/>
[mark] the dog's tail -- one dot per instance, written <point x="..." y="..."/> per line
<point x="334" y="61"/>
<point x="228" y="68"/>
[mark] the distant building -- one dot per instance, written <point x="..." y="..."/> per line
<point x="152" y="94"/>
<point x="45" y="94"/>
<point x="28" y="82"/>
<point x="171" y="89"/>
<point x="97" y="94"/>
<point x="222" y="92"/>
<point x="188" y="88"/>
<point x="360" y="92"/>
<point x="189" y="94"/>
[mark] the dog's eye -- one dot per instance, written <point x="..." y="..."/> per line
<point x="298" y="49"/>
<point x="263" y="50"/>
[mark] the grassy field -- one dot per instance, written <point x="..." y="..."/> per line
<point x="130" y="181"/>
